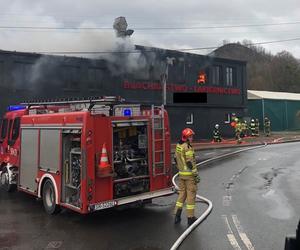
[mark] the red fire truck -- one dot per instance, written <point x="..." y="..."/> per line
<point x="86" y="155"/>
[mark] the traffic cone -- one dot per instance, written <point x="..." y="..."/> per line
<point x="104" y="166"/>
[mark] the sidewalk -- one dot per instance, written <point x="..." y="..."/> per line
<point x="276" y="137"/>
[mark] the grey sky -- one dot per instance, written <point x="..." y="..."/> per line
<point x="143" y="14"/>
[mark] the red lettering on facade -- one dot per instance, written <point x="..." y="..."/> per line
<point x="171" y="87"/>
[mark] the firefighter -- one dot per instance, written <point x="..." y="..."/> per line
<point x="256" y="127"/>
<point x="238" y="130"/>
<point x="188" y="176"/>
<point x="217" y="134"/>
<point x="243" y="128"/>
<point x="267" y="126"/>
<point x="252" y="127"/>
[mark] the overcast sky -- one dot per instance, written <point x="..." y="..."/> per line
<point x="142" y="14"/>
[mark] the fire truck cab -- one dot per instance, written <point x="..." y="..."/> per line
<point x="86" y="155"/>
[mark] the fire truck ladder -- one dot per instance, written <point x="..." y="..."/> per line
<point x="158" y="142"/>
<point x="90" y="100"/>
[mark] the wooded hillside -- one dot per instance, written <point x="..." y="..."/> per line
<point x="280" y="72"/>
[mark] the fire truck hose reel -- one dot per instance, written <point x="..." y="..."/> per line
<point x="203" y="199"/>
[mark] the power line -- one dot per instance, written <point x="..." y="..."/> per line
<point x="254" y="43"/>
<point x="219" y="27"/>
<point x="150" y="28"/>
<point x="54" y="28"/>
<point x="155" y="50"/>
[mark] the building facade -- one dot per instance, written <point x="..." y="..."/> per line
<point x="201" y="90"/>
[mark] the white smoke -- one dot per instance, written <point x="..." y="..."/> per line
<point x="59" y="39"/>
<point x="125" y="58"/>
<point x="120" y="52"/>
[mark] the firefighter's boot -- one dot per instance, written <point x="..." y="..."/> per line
<point x="178" y="216"/>
<point x="191" y="220"/>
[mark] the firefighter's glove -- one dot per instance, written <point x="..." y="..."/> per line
<point x="189" y="165"/>
<point x="197" y="178"/>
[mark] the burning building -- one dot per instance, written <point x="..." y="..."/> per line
<point x="200" y="90"/>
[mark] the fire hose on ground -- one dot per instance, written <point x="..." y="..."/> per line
<point x="203" y="199"/>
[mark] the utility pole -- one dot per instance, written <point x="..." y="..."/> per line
<point x="169" y="61"/>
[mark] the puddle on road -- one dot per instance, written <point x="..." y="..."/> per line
<point x="270" y="176"/>
<point x="271" y="197"/>
<point x="278" y="204"/>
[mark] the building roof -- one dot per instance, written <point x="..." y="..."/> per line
<point x="256" y="94"/>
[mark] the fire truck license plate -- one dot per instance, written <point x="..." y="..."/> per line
<point x="105" y="205"/>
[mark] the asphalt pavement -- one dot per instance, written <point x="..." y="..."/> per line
<point x="256" y="204"/>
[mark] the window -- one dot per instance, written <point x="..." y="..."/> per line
<point x="4" y="129"/>
<point x="227" y="118"/>
<point x="71" y="77"/>
<point x="15" y="129"/>
<point x="9" y="127"/>
<point x="190" y="119"/>
<point x="230" y="72"/>
<point x="22" y="75"/>
<point x="176" y="71"/>
<point x="202" y="77"/>
<point x="95" y="78"/>
<point x="216" y="75"/>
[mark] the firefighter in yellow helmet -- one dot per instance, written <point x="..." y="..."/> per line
<point x="188" y="176"/>
<point x="238" y="130"/>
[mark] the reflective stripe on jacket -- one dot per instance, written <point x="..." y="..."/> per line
<point x="185" y="153"/>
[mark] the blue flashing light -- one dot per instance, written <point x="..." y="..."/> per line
<point x="127" y="112"/>
<point x="16" y="107"/>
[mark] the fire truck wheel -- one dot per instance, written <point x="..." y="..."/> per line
<point x="5" y="182"/>
<point x="49" y="198"/>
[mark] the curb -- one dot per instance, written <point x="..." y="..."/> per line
<point x="245" y="145"/>
<point x="263" y="144"/>
<point x="287" y="141"/>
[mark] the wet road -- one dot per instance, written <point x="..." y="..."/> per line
<point x="256" y="204"/>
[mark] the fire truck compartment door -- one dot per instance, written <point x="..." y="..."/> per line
<point x="50" y="149"/>
<point x="29" y="159"/>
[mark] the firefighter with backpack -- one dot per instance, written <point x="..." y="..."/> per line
<point x="217" y="134"/>
<point x="238" y="130"/>
<point x="188" y="176"/>
<point x="252" y="127"/>
<point x="267" y="125"/>
<point x="256" y="127"/>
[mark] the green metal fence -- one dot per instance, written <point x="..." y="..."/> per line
<point x="284" y="115"/>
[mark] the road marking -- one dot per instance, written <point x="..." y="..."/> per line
<point x="262" y="159"/>
<point x="241" y="232"/>
<point x="227" y="200"/>
<point x="230" y="236"/>
<point x="54" y="245"/>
